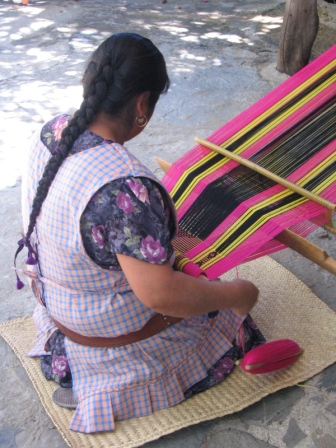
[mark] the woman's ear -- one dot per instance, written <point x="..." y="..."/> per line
<point x="142" y="105"/>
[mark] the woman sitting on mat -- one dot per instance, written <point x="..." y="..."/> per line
<point x="140" y="336"/>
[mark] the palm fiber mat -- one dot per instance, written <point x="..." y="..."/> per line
<point x="286" y="309"/>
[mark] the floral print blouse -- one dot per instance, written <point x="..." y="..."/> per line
<point x="128" y="216"/>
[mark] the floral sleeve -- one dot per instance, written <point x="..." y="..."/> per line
<point x="128" y="216"/>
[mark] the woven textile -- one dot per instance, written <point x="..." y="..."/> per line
<point x="286" y="309"/>
<point x="228" y="213"/>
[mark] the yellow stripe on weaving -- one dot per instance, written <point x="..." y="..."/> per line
<point x="315" y="171"/>
<point x="249" y="142"/>
<point x="266" y="129"/>
<point x="261" y="221"/>
<point x="282" y="102"/>
<point x="248" y="213"/>
<point x="198" y="178"/>
<point x="282" y="195"/>
<point x="188" y="171"/>
<point x="180" y="265"/>
<point x="257" y="120"/>
<point x="214" y="247"/>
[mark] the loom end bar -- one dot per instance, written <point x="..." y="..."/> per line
<point x="162" y="164"/>
<point x="308" y="250"/>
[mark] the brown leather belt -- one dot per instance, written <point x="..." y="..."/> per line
<point x="157" y="323"/>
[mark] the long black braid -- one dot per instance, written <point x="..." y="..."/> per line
<point x="122" y="67"/>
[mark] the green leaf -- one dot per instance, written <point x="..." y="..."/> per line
<point x="133" y="241"/>
<point x="127" y="232"/>
<point x="136" y="239"/>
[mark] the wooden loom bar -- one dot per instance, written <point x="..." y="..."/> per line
<point x="329" y="225"/>
<point x="308" y="250"/>
<point x="330" y="229"/>
<point x="259" y="169"/>
<point x="292" y="240"/>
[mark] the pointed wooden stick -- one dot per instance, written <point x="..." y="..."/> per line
<point x="162" y="164"/>
<point x="291" y="240"/>
<point x="259" y="169"/>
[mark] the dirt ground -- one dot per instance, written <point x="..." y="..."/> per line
<point x="42" y="50"/>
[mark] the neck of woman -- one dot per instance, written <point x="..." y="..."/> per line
<point x="109" y="128"/>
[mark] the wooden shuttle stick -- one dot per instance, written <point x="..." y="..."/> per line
<point x="259" y="169"/>
<point x="292" y="240"/>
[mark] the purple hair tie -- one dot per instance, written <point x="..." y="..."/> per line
<point x="19" y="283"/>
<point x="31" y="260"/>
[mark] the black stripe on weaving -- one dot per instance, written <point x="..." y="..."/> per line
<point x="331" y="169"/>
<point x="184" y="185"/>
<point x="273" y="116"/>
<point x="223" y="195"/>
<point x="317" y="128"/>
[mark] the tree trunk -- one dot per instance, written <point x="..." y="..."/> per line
<point x="299" y="29"/>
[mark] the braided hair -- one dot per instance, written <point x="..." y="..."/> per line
<point x="121" y="68"/>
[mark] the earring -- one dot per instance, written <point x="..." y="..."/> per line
<point x="141" y="121"/>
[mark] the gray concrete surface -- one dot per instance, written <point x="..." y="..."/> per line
<point x="221" y="57"/>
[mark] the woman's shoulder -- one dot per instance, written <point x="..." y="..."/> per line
<point x="52" y="130"/>
<point x="139" y="188"/>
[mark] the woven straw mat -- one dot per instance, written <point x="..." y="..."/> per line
<point x="286" y="309"/>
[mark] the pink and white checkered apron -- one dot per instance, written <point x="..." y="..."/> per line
<point x="110" y="383"/>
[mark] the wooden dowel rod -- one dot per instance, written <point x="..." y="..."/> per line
<point x="259" y="169"/>
<point x="308" y="250"/>
<point x="330" y="229"/>
<point x="292" y="240"/>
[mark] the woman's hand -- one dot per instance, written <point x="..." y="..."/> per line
<point x="247" y="296"/>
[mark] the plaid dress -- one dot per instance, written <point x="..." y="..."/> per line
<point x="119" y="383"/>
